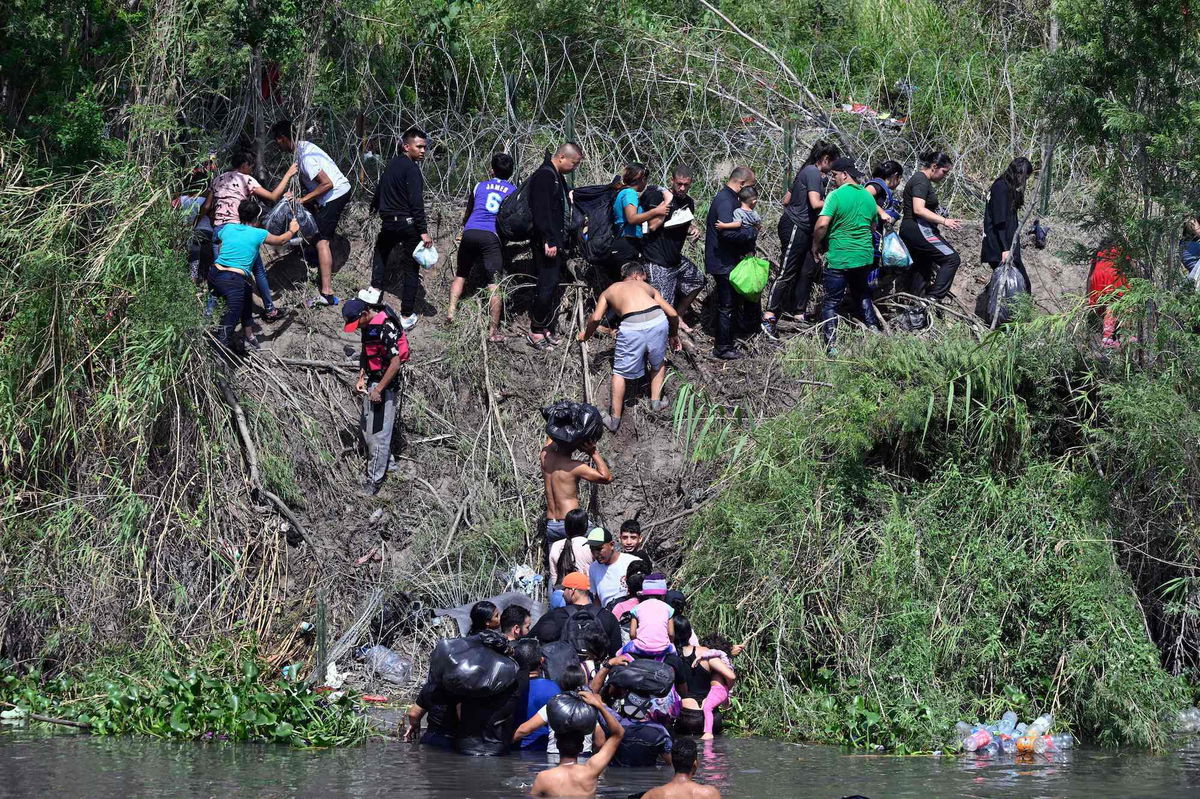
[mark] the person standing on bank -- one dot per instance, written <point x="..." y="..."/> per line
<point x="845" y="227"/>
<point x="481" y="244"/>
<point x="327" y="192"/>
<point x="677" y="279"/>
<point x="628" y="216"/>
<point x="384" y="349"/>
<point x="797" y="268"/>
<point x="400" y="202"/>
<point x="935" y="262"/>
<point x="1001" y="244"/>
<point x="723" y="249"/>
<point x="550" y="207"/>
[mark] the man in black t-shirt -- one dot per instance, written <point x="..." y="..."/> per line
<point x="676" y="277"/>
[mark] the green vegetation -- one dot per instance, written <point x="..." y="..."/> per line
<point x="195" y="705"/>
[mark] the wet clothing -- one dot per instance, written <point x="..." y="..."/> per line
<point x="837" y="282"/>
<point x="1000" y="223"/>
<point x="539" y="693"/>
<point x="486" y="726"/>
<point x="642" y="335"/>
<point x="311" y="161"/>
<point x="327" y="216"/>
<point x="935" y="262"/>
<point x="480" y="248"/>
<point x="402" y="235"/>
<point x="852" y="213"/>
<point x="485" y="204"/>
<point x="675" y="282"/>
<point x="644" y="744"/>
<point x="440" y="715"/>
<point x="699" y="679"/>
<point x="235" y="288"/>
<point x="627" y="196"/>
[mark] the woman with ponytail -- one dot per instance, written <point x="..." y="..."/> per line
<point x="935" y="262"/>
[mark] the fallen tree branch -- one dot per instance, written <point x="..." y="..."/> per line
<point x="81" y="725"/>
<point x="329" y="365"/>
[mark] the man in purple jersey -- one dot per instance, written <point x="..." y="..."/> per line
<point x="480" y="244"/>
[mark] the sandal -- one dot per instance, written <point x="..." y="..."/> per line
<point x="538" y="343"/>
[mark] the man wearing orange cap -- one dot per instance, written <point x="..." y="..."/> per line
<point x="551" y="626"/>
<point x="384" y="348"/>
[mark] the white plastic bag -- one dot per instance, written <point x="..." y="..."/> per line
<point x="426" y="256"/>
<point x="1194" y="275"/>
<point x="895" y="254"/>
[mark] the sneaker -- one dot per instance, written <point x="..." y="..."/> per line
<point x="371" y="296"/>
<point x="408" y="322"/>
<point x="728" y="354"/>
<point x="768" y="329"/>
<point x="328" y="300"/>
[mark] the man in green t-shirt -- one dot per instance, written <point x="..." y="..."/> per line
<point x="844" y="228"/>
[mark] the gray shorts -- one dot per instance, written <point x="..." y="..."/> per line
<point x="678" y="282"/>
<point x="641" y="335"/>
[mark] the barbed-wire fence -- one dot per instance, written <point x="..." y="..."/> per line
<point x="708" y="105"/>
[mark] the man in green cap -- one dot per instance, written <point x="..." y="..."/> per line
<point x="609" y="566"/>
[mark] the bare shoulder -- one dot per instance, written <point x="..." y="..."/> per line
<point x="706" y="792"/>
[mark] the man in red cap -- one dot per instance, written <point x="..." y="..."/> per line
<point x="384" y="348"/>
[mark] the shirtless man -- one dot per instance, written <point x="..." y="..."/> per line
<point x="561" y="474"/>
<point x="683" y="758"/>
<point x="571" y="778"/>
<point x="647" y="323"/>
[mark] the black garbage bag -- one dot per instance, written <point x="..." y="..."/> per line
<point x="567" y="712"/>
<point x="647" y="677"/>
<point x="573" y="423"/>
<point x="468" y="668"/>
<point x="278" y="218"/>
<point x="998" y="301"/>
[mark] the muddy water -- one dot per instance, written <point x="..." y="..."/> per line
<point x="76" y="765"/>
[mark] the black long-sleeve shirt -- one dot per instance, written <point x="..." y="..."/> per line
<point x="549" y="205"/>
<point x="401" y="192"/>
<point x="999" y="223"/>
<point x="723" y="249"/>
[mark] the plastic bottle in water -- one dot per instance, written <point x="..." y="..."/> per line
<point x="1008" y="744"/>
<point x="992" y="749"/>
<point x="1019" y="730"/>
<point x="962" y="730"/>
<point x="1054" y="743"/>
<point x="1008" y="723"/>
<point x="977" y="740"/>
<point x="1035" y="730"/>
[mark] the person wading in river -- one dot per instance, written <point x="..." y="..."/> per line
<point x="648" y="323"/>
<point x="570" y="777"/>
<point x="561" y="474"/>
<point x="683" y="784"/>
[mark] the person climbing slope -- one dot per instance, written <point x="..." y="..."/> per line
<point x="481" y="245"/>
<point x="648" y="324"/>
<point x="935" y="262"/>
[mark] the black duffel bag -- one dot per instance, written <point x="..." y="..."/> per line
<point x="573" y="423"/>
<point x="642" y="676"/>
<point x="471" y="668"/>
<point x="567" y="712"/>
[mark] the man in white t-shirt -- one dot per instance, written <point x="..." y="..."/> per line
<point x="609" y="566"/>
<point x="326" y="193"/>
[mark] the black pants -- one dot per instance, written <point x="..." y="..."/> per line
<point x="837" y="281"/>
<point x="391" y="235"/>
<point x="798" y="270"/>
<point x="735" y="314"/>
<point x="238" y="292"/>
<point x="543" y="316"/>
<point x="935" y="262"/>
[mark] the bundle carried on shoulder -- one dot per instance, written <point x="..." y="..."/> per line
<point x="567" y="712"/>
<point x="514" y="219"/>
<point x="281" y="215"/>
<point x="472" y="668"/>
<point x="644" y="676"/>
<point x="573" y="423"/>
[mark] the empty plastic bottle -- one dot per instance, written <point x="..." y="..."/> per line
<point x="1008" y="723"/>
<point x="992" y="749"/>
<point x="1008" y="744"/>
<point x="977" y="740"/>
<point x="962" y="730"/>
<point x="1019" y="730"/>
<point x="1054" y="743"/>
<point x="1027" y="742"/>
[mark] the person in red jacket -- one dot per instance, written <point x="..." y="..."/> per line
<point x="1106" y="282"/>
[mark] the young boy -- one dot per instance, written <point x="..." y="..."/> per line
<point x="652" y="627"/>
<point x="231" y="275"/>
<point x="648" y="324"/>
<point x="631" y="540"/>
<point x="571" y="778"/>
<point x="745" y="215"/>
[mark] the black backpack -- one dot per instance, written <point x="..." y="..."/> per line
<point x="581" y="627"/>
<point x="644" y="676"/>
<point x="514" y="220"/>
<point x="593" y="222"/>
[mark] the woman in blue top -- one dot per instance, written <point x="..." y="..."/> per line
<point x="231" y="275"/>
<point x="628" y="215"/>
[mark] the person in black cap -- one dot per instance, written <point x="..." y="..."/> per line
<point x="845" y="228"/>
<point x="384" y="349"/>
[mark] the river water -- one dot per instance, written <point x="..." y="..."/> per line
<point x="65" y="765"/>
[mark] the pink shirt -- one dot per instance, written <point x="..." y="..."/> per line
<point x="621" y="608"/>
<point x="229" y="189"/>
<point x="583" y="557"/>
<point x="652" y="616"/>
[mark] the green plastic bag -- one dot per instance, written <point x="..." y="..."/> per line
<point x="749" y="277"/>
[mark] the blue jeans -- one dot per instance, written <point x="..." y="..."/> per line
<point x="260" y="275"/>
<point x="234" y="287"/>
<point x="836" y="283"/>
